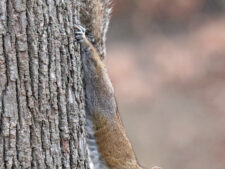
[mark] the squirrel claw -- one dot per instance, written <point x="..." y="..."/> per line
<point x="80" y="33"/>
<point x="80" y="28"/>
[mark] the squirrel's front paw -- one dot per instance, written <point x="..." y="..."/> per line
<point x="80" y="33"/>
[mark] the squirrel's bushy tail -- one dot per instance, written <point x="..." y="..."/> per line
<point x="95" y="17"/>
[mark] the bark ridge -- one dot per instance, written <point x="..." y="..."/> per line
<point x="42" y="115"/>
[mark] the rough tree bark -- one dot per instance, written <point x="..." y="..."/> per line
<point x="42" y="113"/>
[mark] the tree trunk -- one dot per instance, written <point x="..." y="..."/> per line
<point x="42" y="113"/>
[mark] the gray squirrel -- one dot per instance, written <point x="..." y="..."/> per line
<point x="108" y="145"/>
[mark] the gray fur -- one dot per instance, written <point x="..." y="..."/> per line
<point x="99" y="95"/>
<point x="107" y="16"/>
<point x="95" y="160"/>
<point x="99" y="92"/>
<point x="89" y="19"/>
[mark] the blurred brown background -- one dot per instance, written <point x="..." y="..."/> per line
<point x="166" y="59"/>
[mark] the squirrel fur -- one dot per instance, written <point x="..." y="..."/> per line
<point x="95" y="15"/>
<point x="108" y="145"/>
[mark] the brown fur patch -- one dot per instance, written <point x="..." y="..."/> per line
<point x="113" y="143"/>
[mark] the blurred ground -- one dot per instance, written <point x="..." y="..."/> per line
<point x="167" y="63"/>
